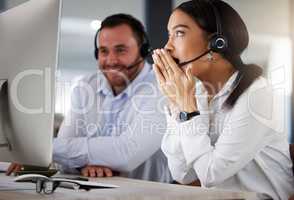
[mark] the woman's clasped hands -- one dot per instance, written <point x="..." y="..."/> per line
<point x="176" y="83"/>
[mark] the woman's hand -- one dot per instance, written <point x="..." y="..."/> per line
<point x="176" y="84"/>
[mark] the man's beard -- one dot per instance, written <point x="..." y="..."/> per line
<point x="120" y="75"/>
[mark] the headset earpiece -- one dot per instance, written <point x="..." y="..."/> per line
<point x="96" y="54"/>
<point x="96" y="50"/>
<point x="218" y="43"/>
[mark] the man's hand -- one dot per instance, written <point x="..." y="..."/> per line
<point x="14" y="167"/>
<point x="96" y="171"/>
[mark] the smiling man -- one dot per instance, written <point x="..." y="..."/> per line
<point x="116" y="122"/>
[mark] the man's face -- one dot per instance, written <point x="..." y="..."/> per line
<point x="118" y="49"/>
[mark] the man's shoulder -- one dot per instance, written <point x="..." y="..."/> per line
<point x="86" y="84"/>
<point x="148" y="80"/>
<point x="150" y="75"/>
<point x="88" y="78"/>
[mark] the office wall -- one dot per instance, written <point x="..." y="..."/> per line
<point x="157" y="15"/>
<point x="262" y="16"/>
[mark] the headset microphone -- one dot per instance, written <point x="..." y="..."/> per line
<point x="138" y="61"/>
<point x="194" y="59"/>
<point x="134" y="64"/>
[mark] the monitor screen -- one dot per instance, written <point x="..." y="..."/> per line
<point x="28" y="60"/>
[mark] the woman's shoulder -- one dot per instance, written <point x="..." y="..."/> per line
<point x="261" y="93"/>
<point x="263" y="102"/>
<point x="260" y="82"/>
<point x="261" y="90"/>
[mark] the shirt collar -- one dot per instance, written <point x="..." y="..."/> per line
<point x="228" y="87"/>
<point x="102" y="84"/>
<point x="104" y="88"/>
<point x="201" y="93"/>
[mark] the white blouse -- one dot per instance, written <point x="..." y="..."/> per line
<point x="242" y="148"/>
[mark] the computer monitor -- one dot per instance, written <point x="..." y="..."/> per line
<point x="29" y="36"/>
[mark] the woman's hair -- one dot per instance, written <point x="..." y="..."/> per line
<point x="234" y="29"/>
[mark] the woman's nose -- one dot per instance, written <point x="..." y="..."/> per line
<point x="169" y="46"/>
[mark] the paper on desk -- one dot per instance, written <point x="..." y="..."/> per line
<point x="86" y="183"/>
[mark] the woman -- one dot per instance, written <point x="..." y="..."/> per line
<point x="225" y="131"/>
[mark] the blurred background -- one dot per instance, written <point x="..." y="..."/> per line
<point x="270" y="23"/>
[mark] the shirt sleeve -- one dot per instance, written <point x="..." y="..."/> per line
<point x="171" y="147"/>
<point x="123" y="152"/>
<point x="70" y="147"/>
<point x="243" y="136"/>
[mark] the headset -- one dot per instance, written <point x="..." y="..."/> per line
<point x="218" y="42"/>
<point x="145" y="48"/>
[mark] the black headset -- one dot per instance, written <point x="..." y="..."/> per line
<point x="145" y="48"/>
<point x="218" y="42"/>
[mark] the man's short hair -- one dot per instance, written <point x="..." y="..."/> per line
<point x="132" y="22"/>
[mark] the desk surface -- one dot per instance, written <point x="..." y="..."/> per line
<point x="129" y="189"/>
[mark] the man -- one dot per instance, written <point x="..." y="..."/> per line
<point x="116" y="118"/>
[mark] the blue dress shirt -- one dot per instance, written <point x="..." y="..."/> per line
<point x="123" y="132"/>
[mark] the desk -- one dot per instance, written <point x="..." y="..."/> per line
<point x="129" y="189"/>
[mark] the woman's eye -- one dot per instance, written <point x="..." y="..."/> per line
<point x="179" y="33"/>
